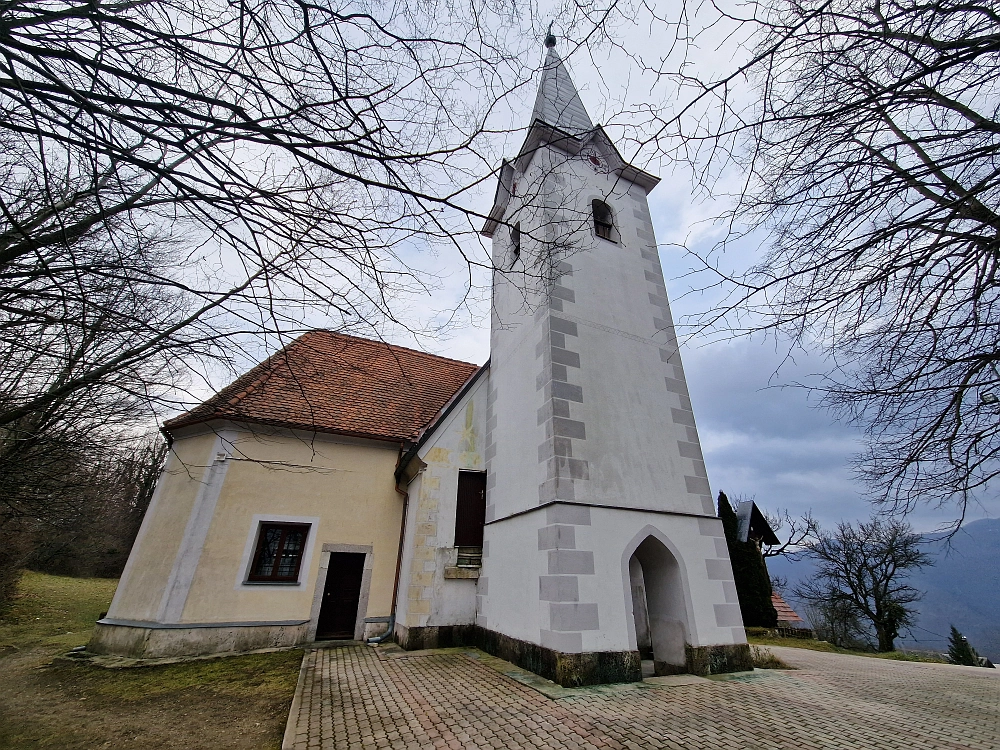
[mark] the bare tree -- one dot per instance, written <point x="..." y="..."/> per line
<point x="94" y="535"/>
<point x="72" y="476"/>
<point x="862" y="575"/>
<point x="180" y="180"/>
<point x="858" y="141"/>
<point x="261" y="167"/>
<point x="835" y="619"/>
<point x="798" y="532"/>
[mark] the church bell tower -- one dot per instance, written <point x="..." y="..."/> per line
<point x="602" y="548"/>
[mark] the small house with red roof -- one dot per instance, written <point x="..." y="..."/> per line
<point x="787" y="617"/>
<point x="551" y="506"/>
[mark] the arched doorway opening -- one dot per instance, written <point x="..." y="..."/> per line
<point x="658" y="607"/>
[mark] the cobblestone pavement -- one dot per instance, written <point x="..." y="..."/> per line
<point x="362" y="697"/>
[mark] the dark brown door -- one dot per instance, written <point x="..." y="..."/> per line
<point x="471" y="513"/>
<point x="339" y="611"/>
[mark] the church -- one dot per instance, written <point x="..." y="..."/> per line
<point x="550" y="507"/>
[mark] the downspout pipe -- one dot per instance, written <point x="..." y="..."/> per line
<point x="374" y="641"/>
<point x="388" y="634"/>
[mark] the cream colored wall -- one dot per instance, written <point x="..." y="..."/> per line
<point x="140" y="590"/>
<point x="426" y="596"/>
<point x="347" y="484"/>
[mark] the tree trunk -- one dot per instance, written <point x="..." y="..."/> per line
<point x="886" y="640"/>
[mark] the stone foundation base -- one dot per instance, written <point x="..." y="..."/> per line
<point x="152" y="640"/>
<point x="665" y="668"/>
<point x="568" y="670"/>
<point x="706" y="660"/>
<point x="574" y="670"/>
<point x="437" y="636"/>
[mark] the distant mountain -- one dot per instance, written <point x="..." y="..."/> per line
<point x="962" y="588"/>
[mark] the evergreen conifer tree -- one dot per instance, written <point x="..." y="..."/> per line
<point x="959" y="650"/>
<point x="753" y="584"/>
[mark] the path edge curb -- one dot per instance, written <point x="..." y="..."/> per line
<point x="288" y="739"/>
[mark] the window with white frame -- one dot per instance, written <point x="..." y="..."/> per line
<point x="278" y="555"/>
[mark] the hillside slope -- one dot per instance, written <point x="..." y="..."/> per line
<point x="962" y="589"/>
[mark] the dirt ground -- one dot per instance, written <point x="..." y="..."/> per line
<point x="238" y="702"/>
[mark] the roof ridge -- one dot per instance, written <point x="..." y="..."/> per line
<point x="388" y="344"/>
<point x="381" y="381"/>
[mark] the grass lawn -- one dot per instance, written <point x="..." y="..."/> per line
<point x="760" y="640"/>
<point x="234" y="702"/>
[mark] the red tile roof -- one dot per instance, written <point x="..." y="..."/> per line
<point x="330" y="382"/>
<point x="785" y="612"/>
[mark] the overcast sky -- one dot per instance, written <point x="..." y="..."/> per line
<point x="761" y="440"/>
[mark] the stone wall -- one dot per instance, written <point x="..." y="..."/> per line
<point x="568" y="670"/>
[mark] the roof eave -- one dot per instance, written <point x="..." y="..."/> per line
<point x="438" y="419"/>
<point x="501" y="199"/>
<point x="541" y="134"/>
<point x="172" y="426"/>
<point x="639" y="177"/>
<point x="626" y="170"/>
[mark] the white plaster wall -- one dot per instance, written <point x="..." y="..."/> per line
<point x="515" y="568"/>
<point x="626" y="346"/>
<point x="588" y="405"/>
<point x="613" y="535"/>
<point x="625" y="358"/>
<point x="514" y="400"/>
<point x="426" y="597"/>
<point x="511" y="569"/>
<point x="404" y="594"/>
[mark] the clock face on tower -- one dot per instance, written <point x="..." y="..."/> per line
<point x="596" y="161"/>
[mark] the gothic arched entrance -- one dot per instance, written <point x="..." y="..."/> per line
<point x="658" y="608"/>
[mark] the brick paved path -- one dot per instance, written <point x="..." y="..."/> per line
<point x="361" y="697"/>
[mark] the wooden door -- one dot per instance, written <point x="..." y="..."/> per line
<point x="338" y="613"/>
<point x="470" y="515"/>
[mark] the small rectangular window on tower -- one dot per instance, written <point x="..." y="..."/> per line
<point x="604" y="225"/>
<point x="470" y="518"/>
<point x="515" y="243"/>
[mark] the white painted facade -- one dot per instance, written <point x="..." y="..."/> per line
<point x="432" y="591"/>
<point x="597" y="493"/>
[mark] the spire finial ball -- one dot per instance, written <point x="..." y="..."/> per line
<point x="550" y="38"/>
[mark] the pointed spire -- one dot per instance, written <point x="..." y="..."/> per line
<point x="558" y="102"/>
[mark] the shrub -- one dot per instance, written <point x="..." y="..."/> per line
<point x="764" y="659"/>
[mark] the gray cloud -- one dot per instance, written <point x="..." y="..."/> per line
<point x="769" y="441"/>
<point x="774" y="442"/>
